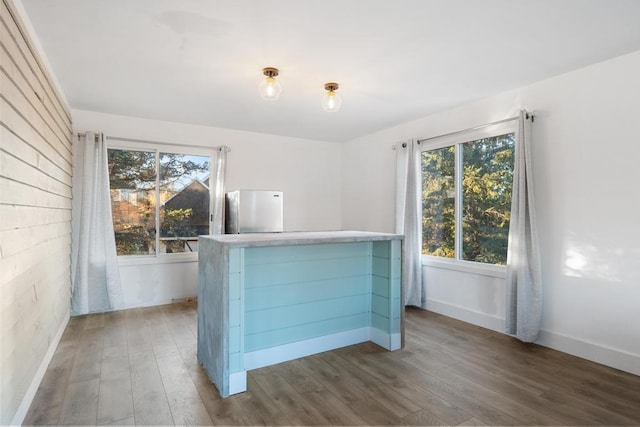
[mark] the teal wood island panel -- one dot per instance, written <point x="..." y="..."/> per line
<point x="386" y="287"/>
<point x="265" y="299"/>
<point x="293" y="293"/>
<point x="236" y="310"/>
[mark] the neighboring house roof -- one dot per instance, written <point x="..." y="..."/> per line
<point x="192" y="186"/>
<point x="194" y="196"/>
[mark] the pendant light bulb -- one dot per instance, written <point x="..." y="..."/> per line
<point x="270" y="88"/>
<point x="331" y="101"/>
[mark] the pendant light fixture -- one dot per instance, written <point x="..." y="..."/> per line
<point x="270" y="88"/>
<point x="331" y="101"/>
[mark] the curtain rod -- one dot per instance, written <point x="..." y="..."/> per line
<point x="147" y="141"/>
<point x="527" y="115"/>
<point x="497" y="122"/>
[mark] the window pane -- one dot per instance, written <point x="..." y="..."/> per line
<point x="438" y="202"/>
<point x="132" y="180"/>
<point x="184" y="197"/>
<point x="486" y="187"/>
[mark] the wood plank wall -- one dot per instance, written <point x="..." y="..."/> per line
<point x="35" y="212"/>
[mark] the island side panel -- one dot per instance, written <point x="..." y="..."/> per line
<point x="386" y="302"/>
<point x="397" y="302"/>
<point x="213" y="312"/>
<point x="303" y="292"/>
<point x="237" y="373"/>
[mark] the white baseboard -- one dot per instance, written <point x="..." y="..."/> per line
<point x="21" y="413"/>
<point x="283" y="353"/>
<point x="614" y="358"/>
<point x="237" y="382"/>
<point x="488" y="321"/>
<point x="389" y="341"/>
<point x="598" y="353"/>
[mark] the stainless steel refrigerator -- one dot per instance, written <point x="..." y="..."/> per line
<point x="254" y="211"/>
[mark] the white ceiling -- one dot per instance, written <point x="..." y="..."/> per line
<point x="200" y="61"/>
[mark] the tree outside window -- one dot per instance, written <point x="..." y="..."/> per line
<point x="153" y="191"/>
<point x="481" y="180"/>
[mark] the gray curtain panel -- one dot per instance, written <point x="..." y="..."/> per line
<point x="523" y="285"/>
<point x="94" y="264"/>
<point x="218" y="177"/>
<point x="409" y="221"/>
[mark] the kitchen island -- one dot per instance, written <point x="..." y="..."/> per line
<point x="271" y="297"/>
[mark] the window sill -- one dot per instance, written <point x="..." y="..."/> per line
<point x="498" y="271"/>
<point x="128" y="260"/>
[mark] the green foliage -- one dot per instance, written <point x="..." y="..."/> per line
<point x="131" y="170"/>
<point x="487" y="182"/>
<point x="134" y="240"/>
<point x="486" y="199"/>
<point x="134" y="220"/>
<point x="135" y="236"/>
<point x="175" y="167"/>
<point x="438" y="202"/>
<point x="175" y="223"/>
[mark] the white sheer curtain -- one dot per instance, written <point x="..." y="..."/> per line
<point x="218" y="174"/>
<point x="409" y="221"/>
<point x="94" y="266"/>
<point x="524" y="287"/>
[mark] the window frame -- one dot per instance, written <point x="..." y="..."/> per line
<point x="458" y="139"/>
<point x="157" y="148"/>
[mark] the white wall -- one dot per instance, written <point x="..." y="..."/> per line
<point x="586" y="162"/>
<point x="307" y="171"/>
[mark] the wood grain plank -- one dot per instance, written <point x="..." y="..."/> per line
<point x="17" y="241"/>
<point x="259" y="407"/>
<point x="18" y="193"/>
<point x="87" y="366"/>
<point x="373" y="414"/>
<point x="30" y="155"/>
<point x="472" y="422"/>
<point x="18" y="124"/>
<point x="47" y="403"/>
<point x="287" y="399"/>
<point x="335" y="411"/>
<point x="331" y="379"/>
<point x="159" y="333"/>
<point x="523" y="413"/>
<point x="115" y="401"/>
<point x="299" y="378"/>
<point x="450" y="393"/>
<point x="185" y="403"/>
<point x="41" y="83"/>
<point x="14" y="217"/>
<point x="348" y="370"/>
<point x="150" y="403"/>
<point x="80" y="405"/>
<point x="584" y="411"/>
<point x="227" y="411"/>
<point x="35" y="170"/>
<point x="429" y="402"/>
<point x="31" y="106"/>
<point x="423" y="418"/>
<point x="435" y="380"/>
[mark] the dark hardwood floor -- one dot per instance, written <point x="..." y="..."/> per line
<point x="139" y="367"/>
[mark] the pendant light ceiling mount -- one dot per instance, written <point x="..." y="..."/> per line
<point x="331" y="86"/>
<point x="270" y="72"/>
<point x="270" y="88"/>
<point x="331" y="101"/>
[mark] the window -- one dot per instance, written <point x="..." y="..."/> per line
<point x="160" y="200"/>
<point x="466" y="197"/>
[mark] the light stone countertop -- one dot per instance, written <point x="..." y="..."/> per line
<point x="298" y="238"/>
